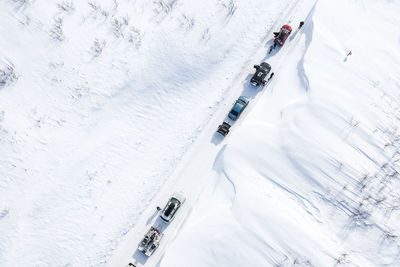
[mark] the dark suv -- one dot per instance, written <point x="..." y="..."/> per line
<point x="262" y="71"/>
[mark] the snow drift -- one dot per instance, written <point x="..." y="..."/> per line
<point x="311" y="176"/>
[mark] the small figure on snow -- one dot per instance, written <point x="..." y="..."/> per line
<point x="270" y="77"/>
<point x="347" y="55"/>
<point x="301" y="24"/>
<point x="158" y="208"/>
<point x="270" y="49"/>
<point x="131" y="264"/>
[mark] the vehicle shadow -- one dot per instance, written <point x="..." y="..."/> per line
<point x="139" y="257"/>
<point x="271" y="54"/>
<point x="217" y="138"/>
<point x="152" y="217"/>
<point x="293" y="35"/>
<point x="160" y="224"/>
<point x="250" y="91"/>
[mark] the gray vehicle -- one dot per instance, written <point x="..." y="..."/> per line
<point x="173" y="205"/>
<point x="150" y="242"/>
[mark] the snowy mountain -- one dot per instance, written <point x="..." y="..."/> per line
<point x="109" y="107"/>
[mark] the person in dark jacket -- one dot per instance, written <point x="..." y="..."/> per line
<point x="270" y="77"/>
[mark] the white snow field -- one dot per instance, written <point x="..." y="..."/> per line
<point x="108" y="107"/>
<point x="99" y="101"/>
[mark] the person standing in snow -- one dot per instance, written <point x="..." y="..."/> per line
<point x="301" y="24"/>
<point x="270" y="77"/>
<point x="158" y="208"/>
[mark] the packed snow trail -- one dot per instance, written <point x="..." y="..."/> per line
<point x="199" y="161"/>
<point x="311" y="176"/>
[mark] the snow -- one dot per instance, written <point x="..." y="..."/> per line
<point x="107" y="100"/>
<point x="309" y="178"/>
<point x="109" y="107"/>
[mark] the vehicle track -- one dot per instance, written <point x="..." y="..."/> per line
<point x="201" y="156"/>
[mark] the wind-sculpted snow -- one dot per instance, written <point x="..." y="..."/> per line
<point x="315" y="163"/>
<point x="103" y="104"/>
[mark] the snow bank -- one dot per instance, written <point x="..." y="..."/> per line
<point x="311" y="175"/>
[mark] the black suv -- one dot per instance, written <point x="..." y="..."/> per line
<point x="262" y="71"/>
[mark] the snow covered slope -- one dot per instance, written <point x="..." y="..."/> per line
<point x="99" y="101"/>
<point x="311" y="176"/>
<point x="107" y="107"/>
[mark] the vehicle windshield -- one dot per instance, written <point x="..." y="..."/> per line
<point x="264" y="67"/>
<point x="169" y="209"/>
<point x="176" y="201"/>
<point x="241" y="103"/>
<point x="234" y="112"/>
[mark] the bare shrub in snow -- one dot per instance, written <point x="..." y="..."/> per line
<point x="389" y="234"/>
<point x="360" y="215"/>
<point x="56" y="31"/>
<point x="96" y="8"/>
<point x="94" y="5"/>
<point x="7" y="75"/>
<point x="206" y="35"/>
<point x="230" y="6"/>
<point x="22" y="3"/>
<point x="119" y="25"/>
<point x="98" y="46"/>
<point x="105" y="13"/>
<point x="121" y="29"/>
<point x="135" y="37"/>
<point x="24" y="19"/>
<point x="187" y="23"/>
<point x="342" y="260"/>
<point x="165" y="6"/>
<point x="4" y="213"/>
<point x="67" y="7"/>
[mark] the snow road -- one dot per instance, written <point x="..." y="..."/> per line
<point x="309" y="177"/>
<point x="102" y="102"/>
<point x="196" y="169"/>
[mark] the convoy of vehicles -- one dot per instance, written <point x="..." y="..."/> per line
<point x="152" y="238"/>
<point x="258" y="79"/>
